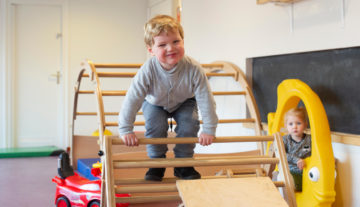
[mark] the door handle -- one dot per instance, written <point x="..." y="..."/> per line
<point x="57" y="76"/>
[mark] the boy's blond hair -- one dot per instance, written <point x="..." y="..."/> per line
<point x="298" y="112"/>
<point x="158" y="24"/>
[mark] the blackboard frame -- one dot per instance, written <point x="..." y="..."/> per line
<point x="333" y="74"/>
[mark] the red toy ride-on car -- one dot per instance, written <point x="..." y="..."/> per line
<point x="75" y="190"/>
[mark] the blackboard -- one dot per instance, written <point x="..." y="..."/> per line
<point x="333" y="74"/>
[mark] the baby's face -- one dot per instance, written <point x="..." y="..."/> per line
<point x="295" y="126"/>
<point x="168" y="48"/>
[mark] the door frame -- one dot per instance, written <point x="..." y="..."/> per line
<point x="7" y="111"/>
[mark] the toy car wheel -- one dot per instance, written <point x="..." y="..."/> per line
<point x="95" y="204"/>
<point x="63" y="202"/>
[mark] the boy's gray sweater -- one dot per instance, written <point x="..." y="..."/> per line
<point x="169" y="89"/>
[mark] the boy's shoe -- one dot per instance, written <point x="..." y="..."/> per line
<point x="155" y="174"/>
<point x="186" y="173"/>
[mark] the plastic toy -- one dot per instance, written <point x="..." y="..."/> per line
<point x="75" y="190"/>
<point x="319" y="175"/>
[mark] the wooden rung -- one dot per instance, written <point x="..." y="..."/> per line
<point x="224" y="121"/>
<point x="166" y="180"/>
<point x="117" y="157"/>
<point x="147" y="199"/>
<point x="116" y="74"/>
<point x="130" y="75"/>
<point x="228" y="93"/>
<point x="279" y="183"/>
<point x="189" y="162"/>
<point x="221" y="121"/>
<point x="86" y="92"/>
<point x="127" y="65"/>
<point x="213" y="65"/>
<point x="137" y="65"/>
<point x="106" y="113"/>
<point x="112" y="74"/>
<point x="221" y="74"/>
<point x="86" y="113"/>
<point x="215" y="93"/>
<point x="114" y="93"/>
<point x="94" y="113"/>
<point x="128" y="181"/>
<point x="244" y="171"/>
<point x="190" y="140"/>
<point x="146" y="189"/>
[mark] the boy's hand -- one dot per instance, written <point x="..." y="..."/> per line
<point x="206" y="139"/>
<point x="300" y="164"/>
<point x="130" y="140"/>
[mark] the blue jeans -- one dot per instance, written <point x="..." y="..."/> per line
<point x="156" y="125"/>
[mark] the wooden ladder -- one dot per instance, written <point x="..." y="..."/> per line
<point x="97" y="72"/>
<point x="117" y="184"/>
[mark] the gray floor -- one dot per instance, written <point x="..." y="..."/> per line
<point x="27" y="181"/>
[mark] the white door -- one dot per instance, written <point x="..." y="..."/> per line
<point x="37" y="82"/>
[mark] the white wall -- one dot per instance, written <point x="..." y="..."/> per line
<point x="234" y="30"/>
<point x="2" y="77"/>
<point x="102" y="31"/>
<point x="108" y="31"/>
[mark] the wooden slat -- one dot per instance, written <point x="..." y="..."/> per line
<point x="95" y="113"/>
<point x="189" y="140"/>
<point x="114" y="93"/>
<point x="138" y="65"/>
<point x="224" y="121"/>
<point x="111" y="65"/>
<point x="108" y="167"/>
<point x="213" y="65"/>
<point x="284" y="171"/>
<point x="116" y="74"/>
<point x="130" y="75"/>
<point x="190" y="162"/>
<point x="86" y="113"/>
<point x="86" y="92"/>
<point x="146" y="189"/>
<point x="166" y="188"/>
<point x="117" y="157"/>
<point x="106" y="113"/>
<point x="227" y="93"/>
<point x="279" y="183"/>
<point x="166" y="180"/>
<point x="220" y="74"/>
<point x="221" y="121"/>
<point x="123" y="93"/>
<point x="147" y="199"/>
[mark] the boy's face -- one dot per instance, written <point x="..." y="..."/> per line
<point x="295" y="126"/>
<point x="168" y="49"/>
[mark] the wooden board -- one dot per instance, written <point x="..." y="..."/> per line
<point x="234" y="192"/>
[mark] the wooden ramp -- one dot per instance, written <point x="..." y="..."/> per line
<point x="236" y="192"/>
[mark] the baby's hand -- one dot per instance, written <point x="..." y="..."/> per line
<point x="206" y="139"/>
<point x="301" y="164"/>
<point x="130" y="140"/>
